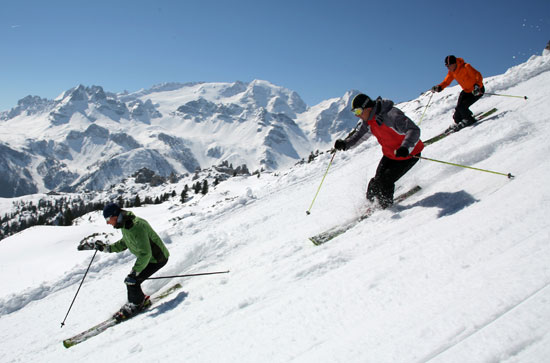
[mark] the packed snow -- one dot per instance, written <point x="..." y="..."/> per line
<point x="459" y="272"/>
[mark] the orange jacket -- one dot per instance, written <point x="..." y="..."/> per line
<point x="466" y="76"/>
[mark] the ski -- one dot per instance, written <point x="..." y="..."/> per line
<point x="334" y="232"/>
<point x="104" y="325"/>
<point x="450" y="130"/>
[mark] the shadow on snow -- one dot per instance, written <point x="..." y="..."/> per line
<point x="448" y="203"/>
<point x="168" y="305"/>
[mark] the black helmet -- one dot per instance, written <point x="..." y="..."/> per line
<point x="450" y="59"/>
<point x="361" y="101"/>
<point x="110" y="210"/>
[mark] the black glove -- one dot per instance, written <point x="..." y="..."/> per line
<point x="402" y="152"/>
<point x="437" y="88"/>
<point x="340" y="145"/>
<point x="477" y="91"/>
<point x="131" y="279"/>
<point x="101" y="246"/>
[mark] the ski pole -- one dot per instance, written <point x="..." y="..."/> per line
<point x="510" y="176"/>
<point x="63" y="323"/>
<point x="423" y="113"/>
<point x="188" y="275"/>
<point x="496" y="94"/>
<point x="322" y="180"/>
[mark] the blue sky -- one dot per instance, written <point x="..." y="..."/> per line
<point x="320" y="49"/>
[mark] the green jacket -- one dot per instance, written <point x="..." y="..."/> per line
<point x="139" y="237"/>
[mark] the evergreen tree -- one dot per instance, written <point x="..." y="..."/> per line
<point x="67" y="217"/>
<point x="197" y="187"/>
<point x="204" y="189"/>
<point x="184" y="194"/>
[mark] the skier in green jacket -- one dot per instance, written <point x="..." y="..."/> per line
<point x="142" y="241"/>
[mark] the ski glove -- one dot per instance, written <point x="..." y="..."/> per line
<point x="340" y="145"/>
<point x="477" y="91"/>
<point x="402" y="152"/>
<point x="437" y="88"/>
<point x="101" y="246"/>
<point x="131" y="279"/>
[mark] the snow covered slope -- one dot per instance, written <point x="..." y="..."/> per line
<point x="457" y="273"/>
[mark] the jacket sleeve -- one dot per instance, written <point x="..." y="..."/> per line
<point x="404" y="125"/>
<point x="478" y="78"/>
<point x="358" y="135"/>
<point x="447" y="81"/>
<point x="118" y="246"/>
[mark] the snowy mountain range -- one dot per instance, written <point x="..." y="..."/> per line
<point x="459" y="272"/>
<point x="89" y="139"/>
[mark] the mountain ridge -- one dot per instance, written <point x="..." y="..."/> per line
<point x="88" y="138"/>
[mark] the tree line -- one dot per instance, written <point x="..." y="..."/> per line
<point x="63" y="210"/>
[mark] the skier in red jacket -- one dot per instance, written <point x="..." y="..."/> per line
<point x="397" y="134"/>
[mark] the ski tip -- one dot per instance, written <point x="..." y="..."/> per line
<point x="314" y="241"/>
<point x="67" y="343"/>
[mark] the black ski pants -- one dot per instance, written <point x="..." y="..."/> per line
<point x="462" y="109"/>
<point x="382" y="186"/>
<point x="135" y="294"/>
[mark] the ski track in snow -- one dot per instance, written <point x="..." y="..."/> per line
<point x="466" y="334"/>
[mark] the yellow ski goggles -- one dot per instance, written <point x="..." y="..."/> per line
<point x="357" y="111"/>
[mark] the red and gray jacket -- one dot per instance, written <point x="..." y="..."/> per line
<point x="392" y="129"/>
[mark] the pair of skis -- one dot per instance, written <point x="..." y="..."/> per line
<point x="451" y="130"/>
<point x="104" y="325"/>
<point x="334" y="232"/>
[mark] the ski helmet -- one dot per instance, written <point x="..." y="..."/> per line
<point x="450" y="59"/>
<point x="110" y="210"/>
<point x="361" y="101"/>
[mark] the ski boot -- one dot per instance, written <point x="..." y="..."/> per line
<point x="129" y="309"/>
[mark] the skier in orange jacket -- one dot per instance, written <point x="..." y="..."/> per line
<point x="471" y="82"/>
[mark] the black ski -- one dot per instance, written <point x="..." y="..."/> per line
<point x="334" y="232"/>
<point x="451" y="130"/>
